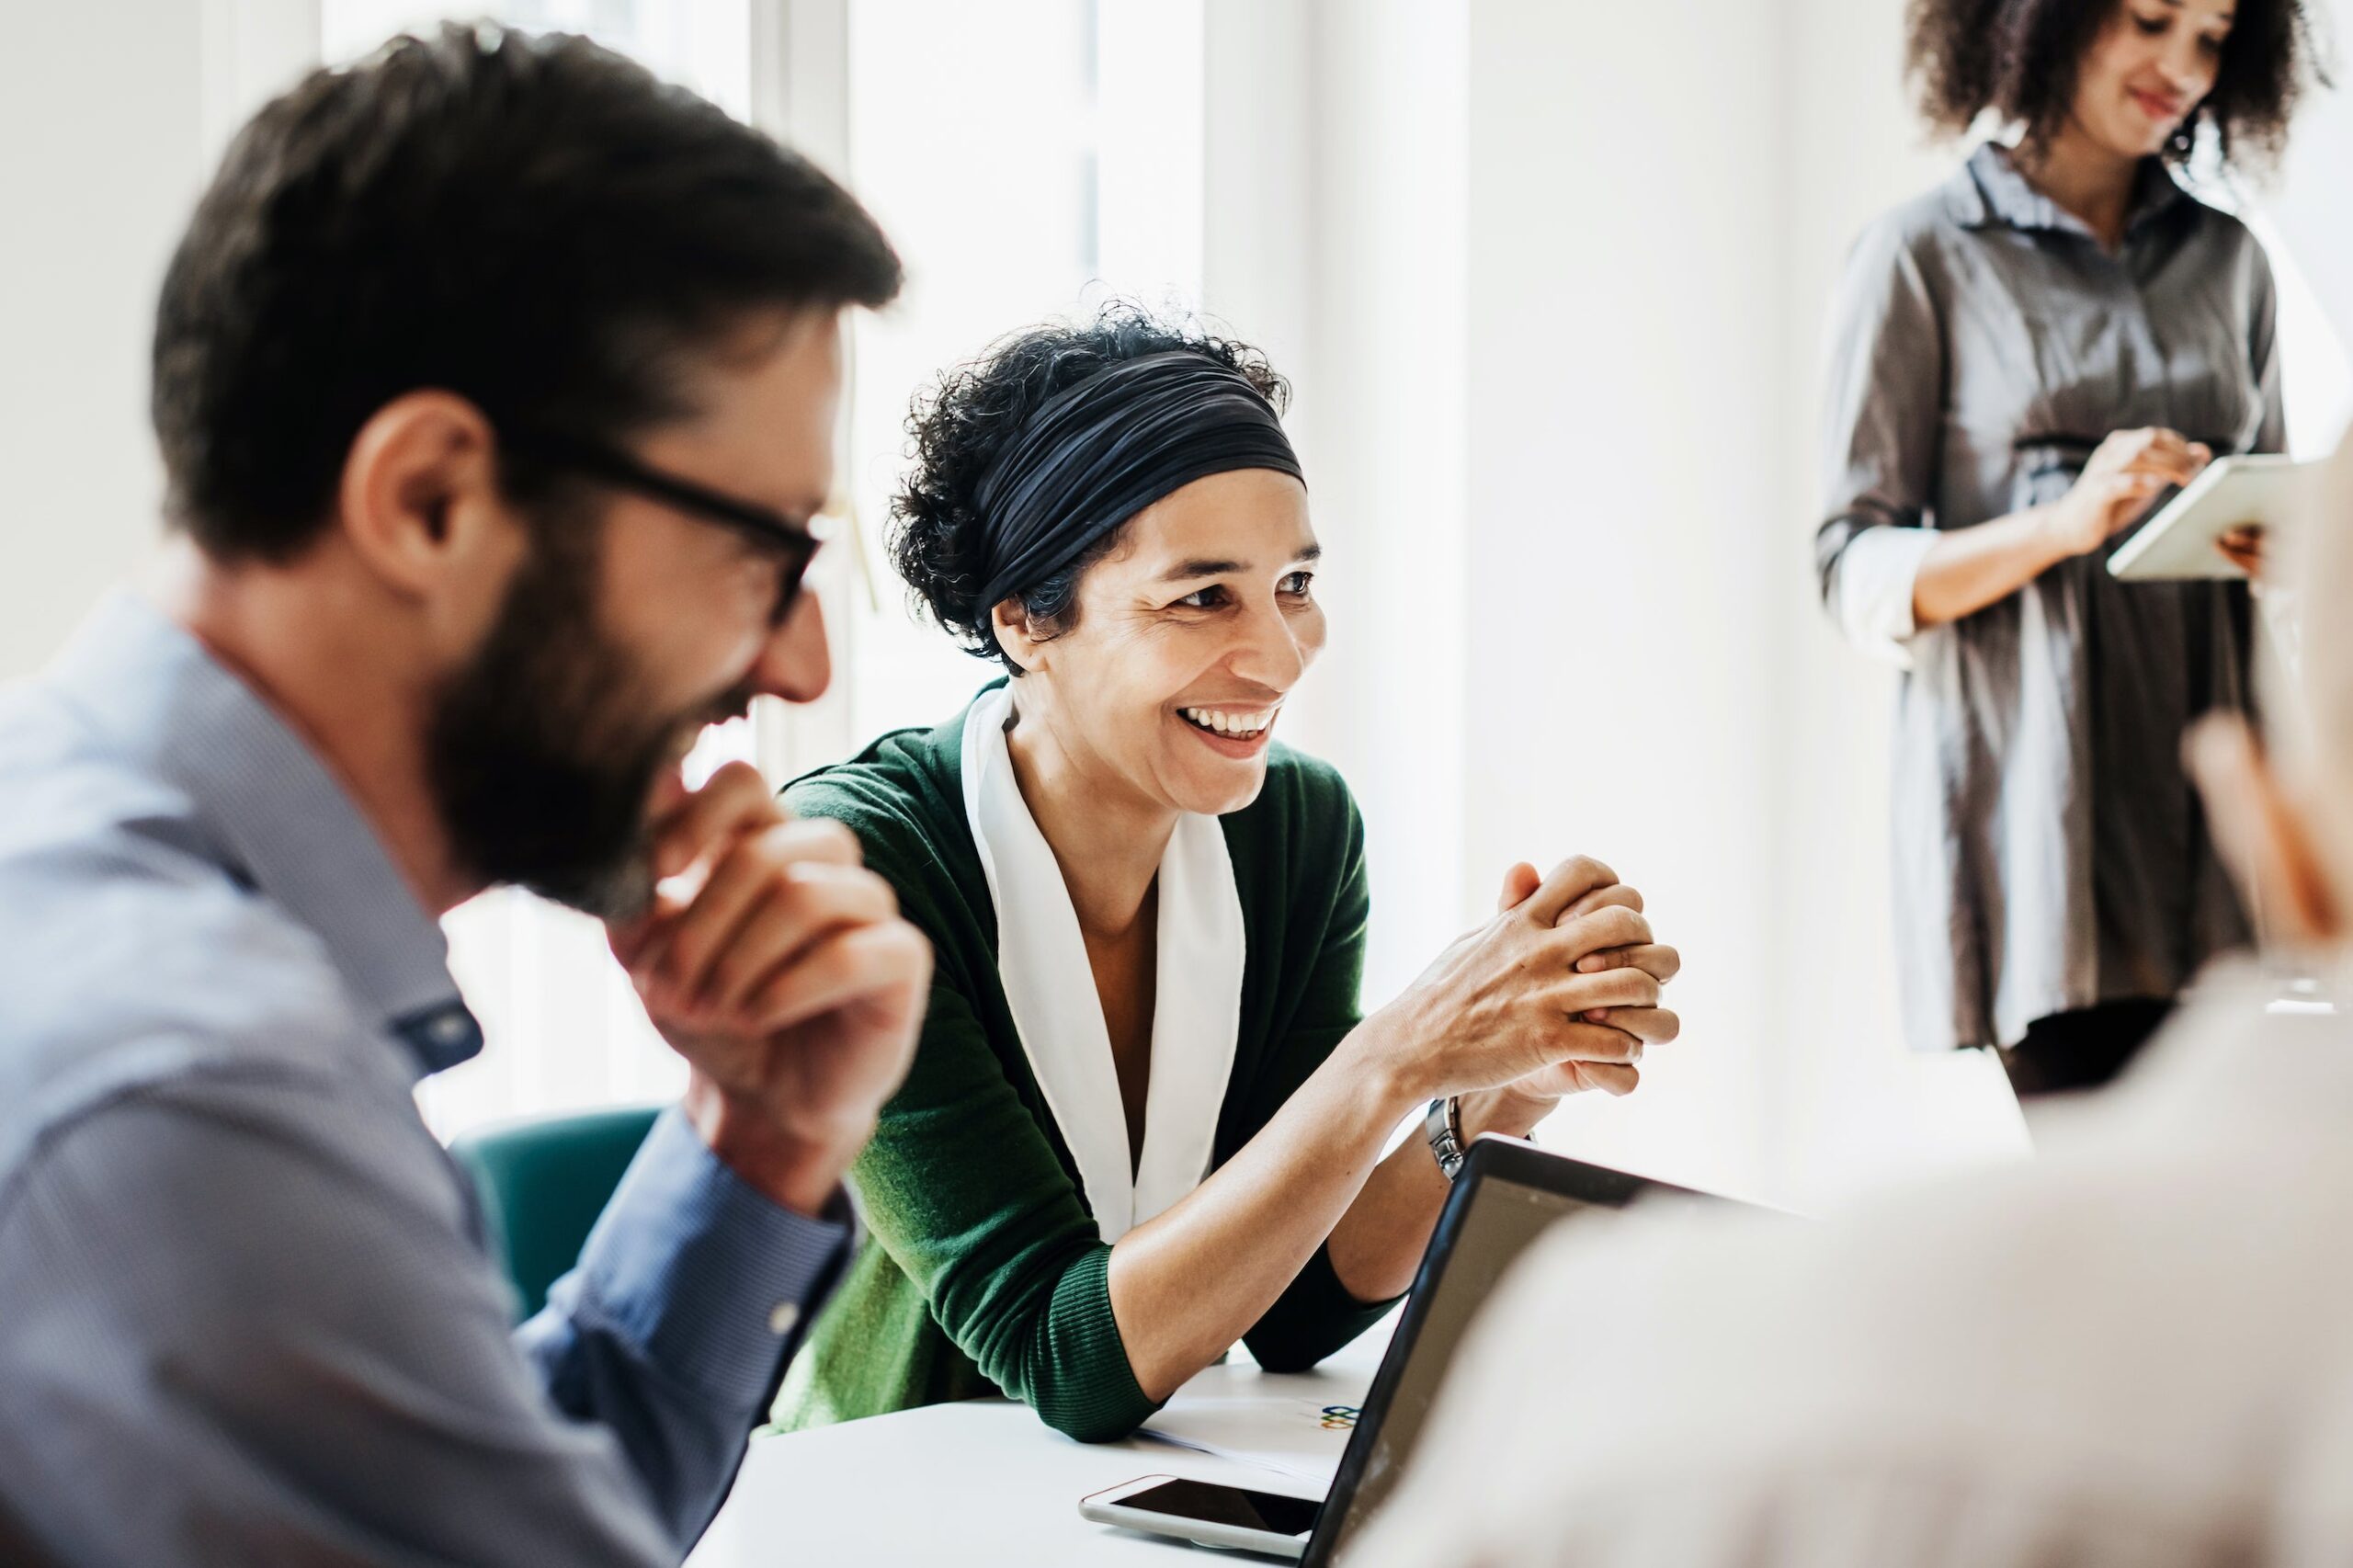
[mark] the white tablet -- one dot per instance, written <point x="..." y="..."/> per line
<point x="2178" y="542"/>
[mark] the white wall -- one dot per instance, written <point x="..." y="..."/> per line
<point x="111" y="117"/>
<point x="1550" y="280"/>
<point x="1847" y="1105"/>
<point x="1336" y="240"/>
<point x="1625" y="476"/>
<point x="101" y="121"/>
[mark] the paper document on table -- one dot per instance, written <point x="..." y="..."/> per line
<point x="1298" y="1436"/>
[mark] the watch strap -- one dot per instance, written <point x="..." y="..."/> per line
<point x="1442" y="1126"/>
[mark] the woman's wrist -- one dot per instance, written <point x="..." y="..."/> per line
<point x="1503" y="1111"/>
<point x="2054" y="537"/>
<point x="1379" y="1057"/>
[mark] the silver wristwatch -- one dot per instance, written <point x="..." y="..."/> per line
<point x="1443" y="1128"/>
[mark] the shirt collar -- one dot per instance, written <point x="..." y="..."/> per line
<point x="1989" y="190"/>
<point x="270" y="815"/>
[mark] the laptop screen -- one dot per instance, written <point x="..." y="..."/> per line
<point x="1500" y="1218"/>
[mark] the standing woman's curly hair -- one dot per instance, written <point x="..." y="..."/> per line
<point x="938" y="540"/>
<point x="2018" y="58"/>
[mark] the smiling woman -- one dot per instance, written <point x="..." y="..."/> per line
<point x="1148" y="1113"/>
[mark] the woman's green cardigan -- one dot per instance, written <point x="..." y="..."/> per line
<point x="982" y="1269"/>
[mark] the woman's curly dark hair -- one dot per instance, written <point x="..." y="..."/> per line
<point x="2018" y="58"/>
<point x="937" y="539"/>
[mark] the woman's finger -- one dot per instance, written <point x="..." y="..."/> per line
<point x="2123" y="496"/>
<point x="1610" y="988"/>
<point x="1569" y="880"/>
<point x="1519" y="884"/>
<point x="1576" y="1077"/>
<point x="1610" y="1080"/>
<point x="1611" y="925"/>
<point x="2174" y="467"/>
<point x="1651" y="1026"/>
<point x="1573" y="1040"/>
<point x="1601" y="898"/>
<point x="2243" y="548"/>
<point x="1655" y="959"/>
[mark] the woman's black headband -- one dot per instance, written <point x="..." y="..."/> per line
<point x="1095" y="454"/>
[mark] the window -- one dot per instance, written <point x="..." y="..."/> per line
<point x="1028" y="160"/>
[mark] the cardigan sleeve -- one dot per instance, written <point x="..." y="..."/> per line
<point x="1316" y="1315"/>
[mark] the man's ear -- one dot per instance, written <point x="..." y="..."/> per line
<point x="1010" y="620"/>
<point x="2262" y="835"/>
<point x="419" y="501"/>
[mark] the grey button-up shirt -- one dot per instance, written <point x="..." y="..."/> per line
<point x="2050" y="853"/>
<point x="244" y="1312"/>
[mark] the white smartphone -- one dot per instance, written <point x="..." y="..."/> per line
<point x="1207" y="1514"/>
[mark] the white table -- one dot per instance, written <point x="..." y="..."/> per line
<point x="984" y="1481"/>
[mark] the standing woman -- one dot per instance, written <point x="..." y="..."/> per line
<point x="2023" y="358"/>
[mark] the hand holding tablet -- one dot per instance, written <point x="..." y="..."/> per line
<point x="2202" y="533"/>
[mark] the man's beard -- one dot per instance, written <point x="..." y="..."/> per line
<point x="539" y="769"/>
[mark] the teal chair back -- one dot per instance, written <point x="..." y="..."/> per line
<point x="542" y="1184"/>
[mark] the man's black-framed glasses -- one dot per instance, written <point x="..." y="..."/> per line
<point x="795" y="545"/>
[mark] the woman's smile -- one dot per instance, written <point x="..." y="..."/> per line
<point x="1239" y="732"/>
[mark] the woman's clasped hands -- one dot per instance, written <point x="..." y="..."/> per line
<point x="1558" y="992"/>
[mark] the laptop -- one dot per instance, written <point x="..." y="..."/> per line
<point x="1507" y="1194"/>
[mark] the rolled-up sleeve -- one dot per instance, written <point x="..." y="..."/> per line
<point x="1881" y="417"/>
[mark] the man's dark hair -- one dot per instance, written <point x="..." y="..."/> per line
<point x="532" y="222"/>
<point x="2018" y="58"/>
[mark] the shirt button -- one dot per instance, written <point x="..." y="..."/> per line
<point x="785" y="1318"/>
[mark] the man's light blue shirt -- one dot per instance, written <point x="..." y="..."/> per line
<point x="246" y="1315"/>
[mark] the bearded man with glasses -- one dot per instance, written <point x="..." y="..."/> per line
<point x="496" y="386"/>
